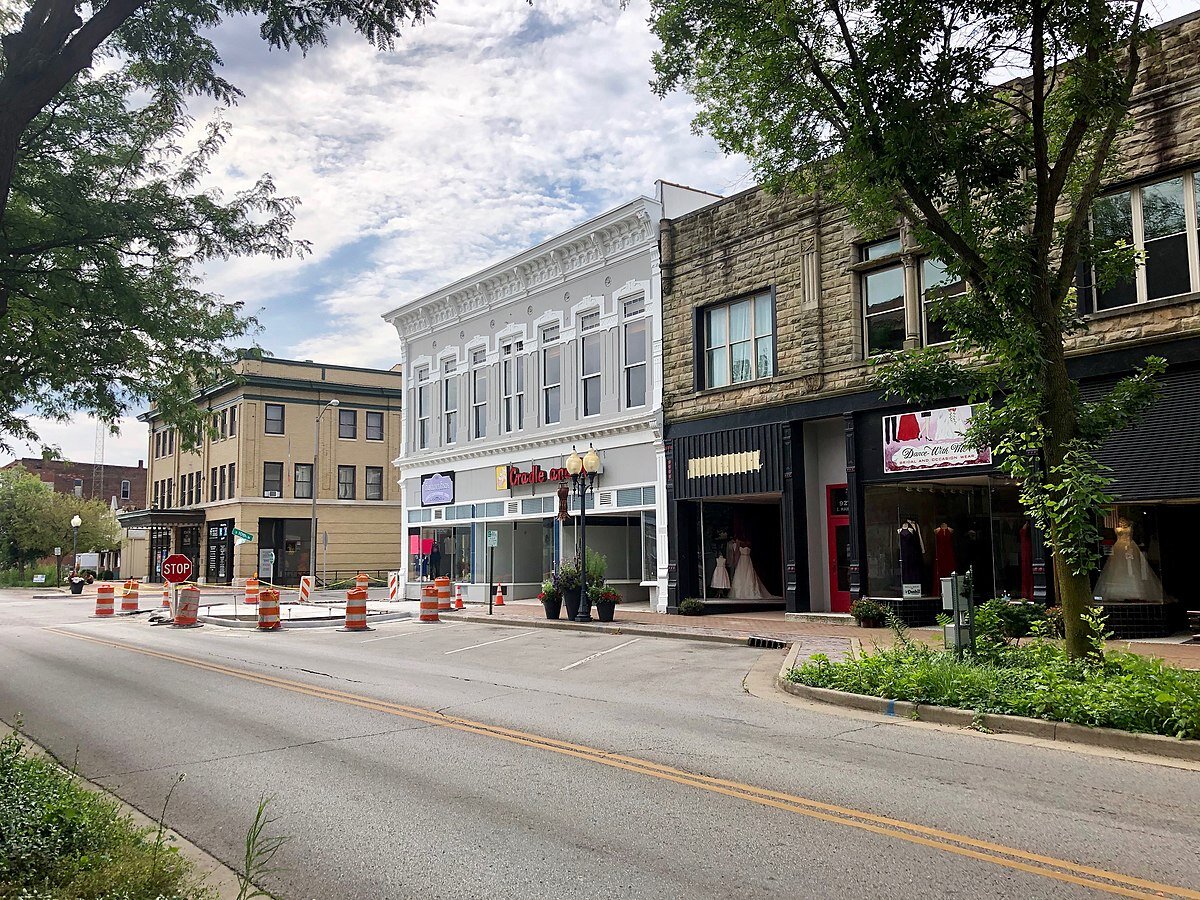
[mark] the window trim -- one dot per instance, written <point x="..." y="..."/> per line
<point x="512" y="353"/>
<point x="267" y="420"/>
<point x="422" y="436"/>
<point x="353" y="482"/>
<point x="866" y="267"/>
<point x="924" y="300"/>
<point x="544" y="413"/>
<point x="367" y="482"/>
<point x="369" y="414"/>
<point x="296" y="482"/>
<point x="449" y="378"/>
<point x="126" y="490"/>
<point x="478" y="432"/>
<point x="264" y="484"/>
<point x="597" y="332"/>
<point x="701" y="344"/>
<point x="353" y="436"/>
<point x="642" y="316"/>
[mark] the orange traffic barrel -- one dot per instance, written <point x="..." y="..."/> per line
<point x="268" y="610"/>
<point x="252" y="589"/>
<point x="429" y="604"/>
<point x="104" y="601"/>
<point x="187" y="608"/>
<point x="356" y="611"/>
<point x="129" y="596"/>
<point x="443" y="592"/>
<point x="361" y="582"/>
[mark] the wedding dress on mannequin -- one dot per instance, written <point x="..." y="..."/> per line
<point x="746" y="583"/>
<point x="1127" y="574"/>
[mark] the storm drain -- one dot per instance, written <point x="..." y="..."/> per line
<point x="765" y="643"/>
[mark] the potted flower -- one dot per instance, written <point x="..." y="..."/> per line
<point x="77" y="582"/>
<point x="868" y="613"/>
<point x="551" y="599"/>
<point x="566" y="584"/>
<point x="605" y="600"/>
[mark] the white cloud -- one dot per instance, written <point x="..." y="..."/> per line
<point x="77" y="440"/>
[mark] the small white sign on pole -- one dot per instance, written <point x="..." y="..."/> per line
<point x="493" y="539"/>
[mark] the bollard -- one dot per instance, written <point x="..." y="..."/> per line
<point x="129" y="596"/>
<point x="458" y="604"/>
<point x="252" y="589"/>
<point x="429" y="604"/>
<point x="187" y="608"/>
<point x="499" y="595"/>
<point x="104" y="601"/>
<point x="268" y="610"/>
<point x="393" y="587"/>
<point x="443" y="592"/>
<point x="306" y="586"/>
<point x="356" y="611"/>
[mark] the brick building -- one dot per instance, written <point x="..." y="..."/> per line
<point x="125" y="483"/>
<point x="783" y="454"/>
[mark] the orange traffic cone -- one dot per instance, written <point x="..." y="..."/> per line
<point x="499" y="595"/>
<point x="458" y="604"/>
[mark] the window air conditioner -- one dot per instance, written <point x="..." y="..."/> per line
<point x="272" y="494"/>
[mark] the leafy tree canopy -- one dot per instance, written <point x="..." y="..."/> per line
<point x="987" y="130"/>
<point x="34" y="519"/>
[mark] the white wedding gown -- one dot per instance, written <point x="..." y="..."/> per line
<point x="746" y="583"/>
<point x="1127" y="574"/>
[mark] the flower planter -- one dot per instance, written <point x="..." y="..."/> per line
<point x="604" y="611"/>
<point x="77" y="585"/>
<point x="870" y="623"/>
<point x="571" y="599"/>
<point x="553" y="607"/>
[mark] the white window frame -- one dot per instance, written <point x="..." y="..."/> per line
<point x="479" y="367"/>
<point x="449" y="413"/>
<point x="925" y="300"/>
<point x="556" y="348"/>
<point x="424" y="408"/>
<point x="727" y="344"/>
<point x="589" y="327"/>
<point x="512" y="385"/>
<point x="637" y="317"/>
<point x="125" y="490"/>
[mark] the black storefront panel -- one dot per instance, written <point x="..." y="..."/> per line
<point x="730" y="463"/>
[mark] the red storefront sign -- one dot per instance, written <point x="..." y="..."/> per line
<point x="516" y="477"/>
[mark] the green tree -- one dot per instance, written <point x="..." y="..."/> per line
<point x="27" y="519"/>
<point x="900" y="110"/>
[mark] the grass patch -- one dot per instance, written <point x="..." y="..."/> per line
<point x="1110" y="690"/>
<point x="59" y="840"/>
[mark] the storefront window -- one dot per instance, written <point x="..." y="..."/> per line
<point x="741" y="550"/>
<point x="649" y="546"/>
<point x="1131" y="555"/>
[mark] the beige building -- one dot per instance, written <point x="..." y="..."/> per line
<point x="254" y="474"/>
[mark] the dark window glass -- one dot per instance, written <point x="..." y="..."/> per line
<point x="212" y="485"/>
<point x="232" y="481"/>
<point x="374" y="483"/>
<point x="883" y="304"/>
<point x="221" y="484"/>
<point x="1112" y="222"/>
<point x="345" y="482"/>
<point x="302" y="481"/>
<point x="232" y="421"/>
<point x="274" y="418"/>
<point x="936" y="283"/>
<point x="374" y="426"/>
<point x="1164" y="226"/>
<point x="272" y="478"/>
<point x="348" y="423"/>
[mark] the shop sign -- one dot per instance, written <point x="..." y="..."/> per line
<point x="508" y="477"/>
<point x="437" y="489"/>
<point x="930" y="439"/>
<point x="725" y="464"/>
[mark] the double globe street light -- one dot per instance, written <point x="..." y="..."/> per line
<point x="583" y="482"/>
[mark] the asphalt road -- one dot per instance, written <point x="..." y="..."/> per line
<point x="463" y="760"/>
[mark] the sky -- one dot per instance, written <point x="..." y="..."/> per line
<point x="495" y="126"/>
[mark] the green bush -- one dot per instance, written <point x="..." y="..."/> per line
<point x="12" y="577"/>
<point x="1000" y="621"/>
<point x="691" y="607"/>
<point x="1116" y="690"/>
<point x="869" y="611"/>
<point x="59" y="840"/>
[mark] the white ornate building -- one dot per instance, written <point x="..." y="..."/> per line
<point x="508" y="369"/>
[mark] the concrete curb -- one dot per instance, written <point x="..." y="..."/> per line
<point x="288" y="625"/>
<point x="216" y="874"/>
<point x="605" y="628"/>
<point x="1066" y="732"/>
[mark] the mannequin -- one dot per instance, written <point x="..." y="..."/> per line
<point x="720" y="576"/>
<point x="746" y="583"/>
<point x="1127" y="574"/>
<point x="912" y="552"/>
<point x="944" y="561"/>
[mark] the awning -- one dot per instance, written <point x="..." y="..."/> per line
<point x="160" y="518"/>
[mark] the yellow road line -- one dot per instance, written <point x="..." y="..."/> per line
<point x="945" y="841"/>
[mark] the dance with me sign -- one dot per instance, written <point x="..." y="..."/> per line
<point x="930" y="439"/>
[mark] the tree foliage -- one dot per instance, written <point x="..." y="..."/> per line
<point x="34" y="519"/>
<point x="987" y="129"/>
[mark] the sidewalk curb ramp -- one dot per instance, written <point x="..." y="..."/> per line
<point x="628" y="628"/>
<point x="1061" y="732"/>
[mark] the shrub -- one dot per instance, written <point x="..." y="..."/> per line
<point x="865" y="610"/>
<point x="60" y="840"/>
<point x="691" y="607"/>
<point x="1000" y="621"/>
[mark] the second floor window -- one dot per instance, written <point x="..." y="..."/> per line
<point x="124" y="490"/>
<point x="224" y="423"/>
<point x="591" y="346"/>
<point x="883" y="298"/>
<point x="272" y="479"/>
<point x="232" y="421"/>
<point x="374" y="483"/>
<point x="424" y="409"/>
<point x="232" y="481"/>
<point x="212" y="485"/>
<point x="552" y="385"/>
<point x="345" y="482"/>
<point x="302" y="481"/>
<point x="636" y="335"/>
<point x="479" y="391"/>
<point x="348" y="424"/>
<point x="221" y="482"/>
<point x="739" y="342"/>
<point x="374" y="426"/>
<point x="273" y="414"/>
<point x="936" y="283"/>
<point x="449" y="404"/>
<point x="512" y="378"/>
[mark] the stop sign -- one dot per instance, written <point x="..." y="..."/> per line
<point x="176" y="568"/>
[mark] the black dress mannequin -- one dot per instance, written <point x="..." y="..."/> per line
<point x="911" y="553"/>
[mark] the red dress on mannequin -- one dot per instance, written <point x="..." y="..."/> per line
<point x="943" y="545"/>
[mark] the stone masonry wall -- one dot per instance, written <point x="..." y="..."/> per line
<point x="803" y="249"/>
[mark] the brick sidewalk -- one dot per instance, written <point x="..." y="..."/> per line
<point x="815" y="637"/>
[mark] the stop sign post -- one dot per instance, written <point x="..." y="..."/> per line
<point x="176" y="568"/>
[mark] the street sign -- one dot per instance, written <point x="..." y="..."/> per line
<point x="493" y="539"/>
<point x="176" y="568"/>
<point x="266" y="564"/>
<point x="242" y="537"/>
<point x="58" y="551"/>
<point x="324" y="540"/>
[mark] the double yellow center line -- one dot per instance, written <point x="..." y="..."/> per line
<point x="898" y="829"/>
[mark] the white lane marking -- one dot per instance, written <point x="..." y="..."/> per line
<point x="595" y="655"/>
<point x="511" y="637"/>
<point x="412" y="629"/>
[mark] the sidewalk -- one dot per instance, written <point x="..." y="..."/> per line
<point x="814" y="637"/>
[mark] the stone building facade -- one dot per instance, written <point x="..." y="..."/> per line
<point x="255" y="474"/>
<point x="781" y="449"/>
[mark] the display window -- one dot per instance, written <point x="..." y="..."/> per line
<point x="1131" y="567"/>
<point x="741" y="549"/>
<point x="440" y="552"/>
<point x="922" y="531"/>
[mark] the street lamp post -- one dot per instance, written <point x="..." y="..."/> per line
<point x="75" y="523"/>
<point x="312" y="545"/>
<point x="583" y="482"/>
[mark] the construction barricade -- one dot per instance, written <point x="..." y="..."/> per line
<point x="361" y="582"/>
<point x="429" y="604"/>
<point x="187" y="608"/>
<point x="129" y="596"/>
<point x="104" y="601"/>
<point x="356" y="611"/>
<point x="252" y="589"/>
<point x="268" y="610"/>
<point x="443" y="593"/>
<point x="306" y="588"/>
<point x="393" y="587"/>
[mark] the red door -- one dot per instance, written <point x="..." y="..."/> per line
<point x="837" y="512"/>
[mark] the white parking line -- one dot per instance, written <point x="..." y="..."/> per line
<point x="414" y="628"/>
<point x="601" y="653"/>
<point x="485" y="643"/>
